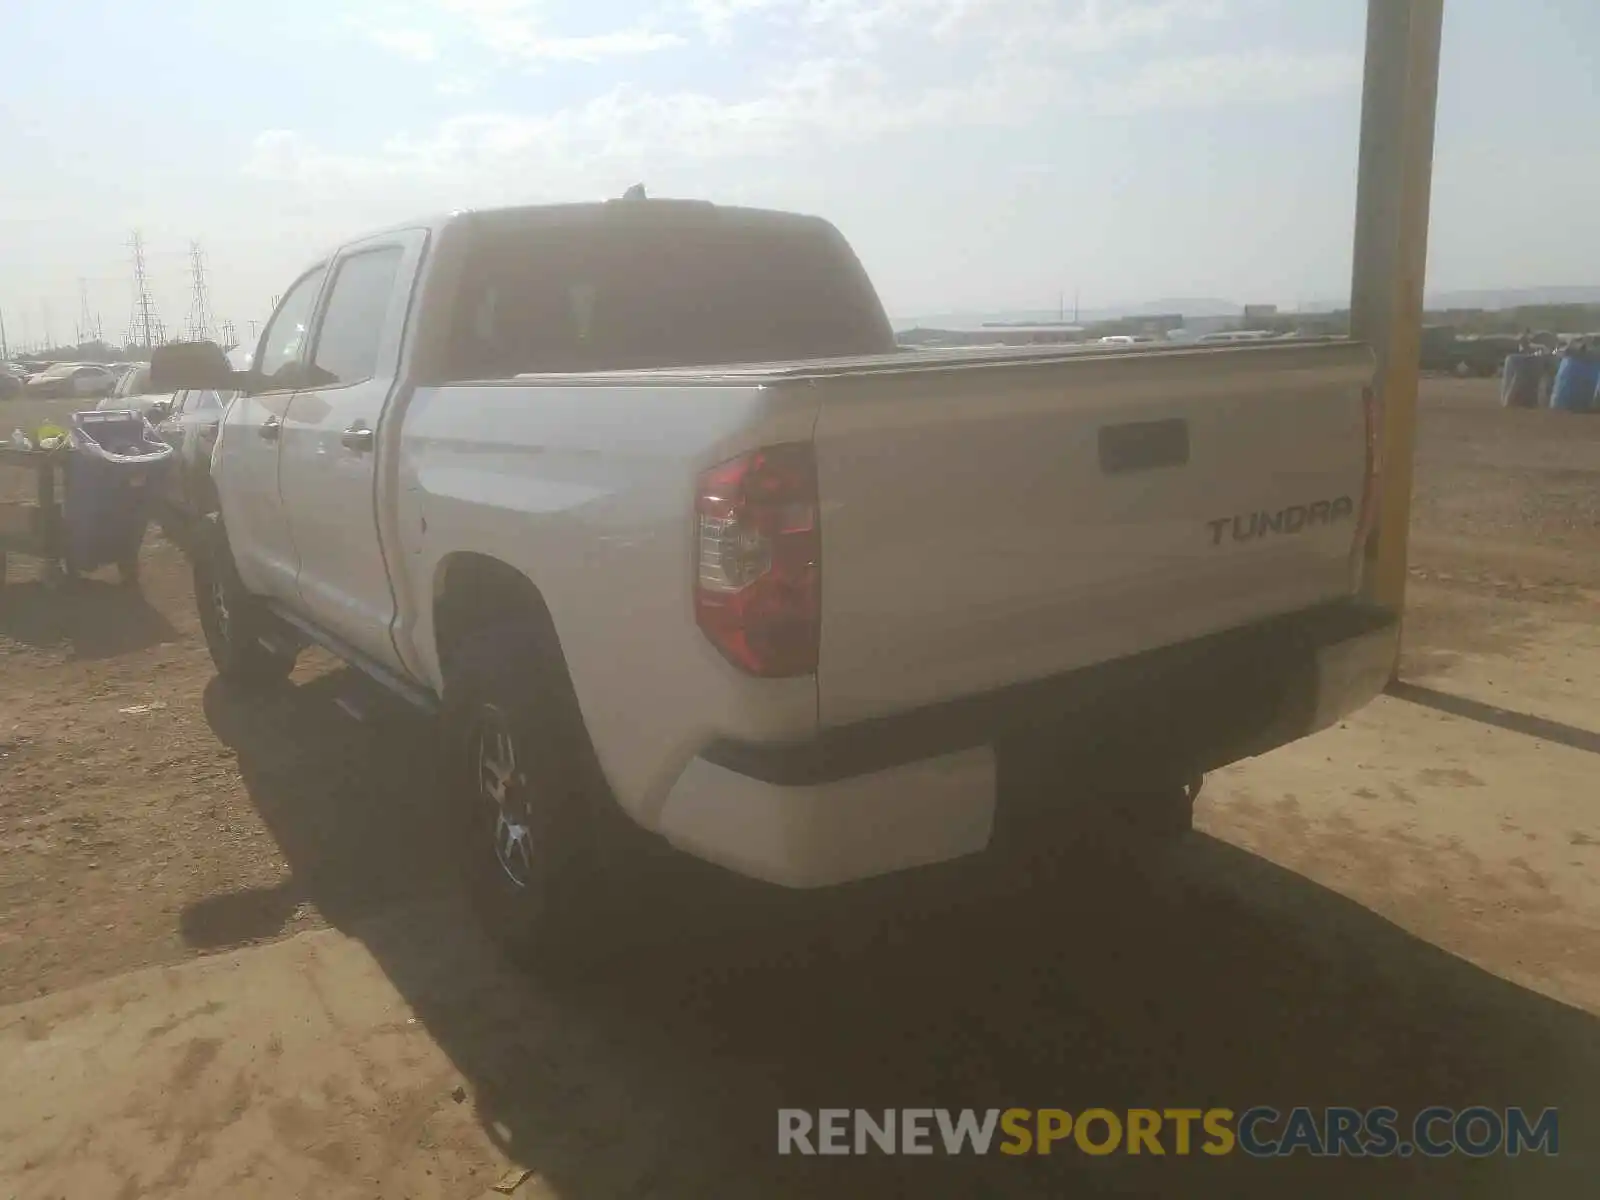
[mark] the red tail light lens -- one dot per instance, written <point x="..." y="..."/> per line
<point x="1368" y="521"/>
<point x="758" y="587"/>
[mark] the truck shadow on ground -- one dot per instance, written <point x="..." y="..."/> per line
<point x="95" y="617"/>
<point x="1502" y="718"/>
<point x="1203" y="976"/>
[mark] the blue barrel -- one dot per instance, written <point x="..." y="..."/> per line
<point x="1577" y="380"/>
<point x="1519" y="381"/>
<point x="114" y="475"/>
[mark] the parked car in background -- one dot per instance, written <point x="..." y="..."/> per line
<point x="190" y="428"/>
<point x="1236" y="335"/>
<point x="133" y="391"/>
<point x="71" y="381"/>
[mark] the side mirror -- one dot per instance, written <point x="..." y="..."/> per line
<point x="191" y="366"/>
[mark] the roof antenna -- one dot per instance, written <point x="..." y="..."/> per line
<point x="636" y="192"/>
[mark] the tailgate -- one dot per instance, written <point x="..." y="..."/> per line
<point x="985" y="523"/>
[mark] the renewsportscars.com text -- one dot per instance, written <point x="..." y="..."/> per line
<point x="1259" y="1132"/>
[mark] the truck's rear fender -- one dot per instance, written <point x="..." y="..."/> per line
<point x="587" y="493"/>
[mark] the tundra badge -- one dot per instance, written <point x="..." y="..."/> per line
<point x="1294" y="519"/>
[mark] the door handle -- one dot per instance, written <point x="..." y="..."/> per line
<point x="358" y="438"/>
<point x="270" y="427"/>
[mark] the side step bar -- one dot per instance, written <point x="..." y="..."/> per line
<point x="413" y="695"/>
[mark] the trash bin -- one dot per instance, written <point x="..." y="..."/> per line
<point x="114" y="475"/>
<point x="1547" y="378"/>
<point x="1577" y="381"/>
<point x="1519" y="381"/>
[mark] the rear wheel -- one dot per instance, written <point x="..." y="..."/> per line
<point x="537" y="824"/>
<point x="233" y="621"/>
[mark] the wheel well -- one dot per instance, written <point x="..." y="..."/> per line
<point x="474" y="591"/>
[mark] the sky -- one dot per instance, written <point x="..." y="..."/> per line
<point x="981" y="155"/>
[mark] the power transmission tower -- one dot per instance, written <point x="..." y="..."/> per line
<point x="200" y="303"/>
<point x="88" y="320"/>
<point x="144" y="329"/>
<point x="228" y="335"/>
<point x="44" y="312"/>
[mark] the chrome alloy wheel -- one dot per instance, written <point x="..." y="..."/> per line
<point x="220" y="610"/>
<point x="503" y="787"/>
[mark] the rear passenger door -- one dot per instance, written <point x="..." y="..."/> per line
<point x="332" y="444"/>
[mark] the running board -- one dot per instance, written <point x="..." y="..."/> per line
<point x="412" y="694"/>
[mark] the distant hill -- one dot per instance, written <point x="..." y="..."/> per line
<point x="1491" y="299"/>
<point x="1497" y="298"/>
<point x="1207" y="307"/>
<point x="1488" y="299"/>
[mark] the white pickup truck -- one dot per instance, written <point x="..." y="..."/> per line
<point x="641" y="499"/>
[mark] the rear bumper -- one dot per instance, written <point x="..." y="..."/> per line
<point x="1354" y="670"/>
<point x="921" y="787"/>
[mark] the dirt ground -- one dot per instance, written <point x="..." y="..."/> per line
<point x="1405" y="910"/>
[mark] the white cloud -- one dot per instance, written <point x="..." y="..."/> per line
<point x="838" y="101"/>
<point x="516" y="29"/>
<point x="717" y="18"/>
<point x="1039" y="25"/>
<point x="862" y="70"/>
<point x="413" y="44"/>
<point x="472" y="35"/>
<point x="1254" y="77"/>
<point x="594" y="47"/>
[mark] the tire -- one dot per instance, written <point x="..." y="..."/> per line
<point x="539" y="831"/>
<point x="232" y="620"/>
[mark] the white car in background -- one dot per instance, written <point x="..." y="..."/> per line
<point x="133" y="392"/>
<point x="72" y="381"/>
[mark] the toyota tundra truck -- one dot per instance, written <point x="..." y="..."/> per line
<point x="641" y="500"/>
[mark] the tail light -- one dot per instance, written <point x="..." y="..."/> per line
<point x="758" y="587"/>
<point x="1367" y="522"/>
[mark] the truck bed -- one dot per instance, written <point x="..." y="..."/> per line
<point x="922" y="361"/>
<point x="994" y="516"/>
